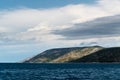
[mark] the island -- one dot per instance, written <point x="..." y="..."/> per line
<point x="90" y="54"/>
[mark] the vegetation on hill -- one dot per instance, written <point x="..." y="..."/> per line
<point x="61" y="55"/>
<point x="104" y="55"/>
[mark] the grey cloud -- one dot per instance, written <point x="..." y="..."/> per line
<point x="101" y="27"/>
<point x="88" y="43"/>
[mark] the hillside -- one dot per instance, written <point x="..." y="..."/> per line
<point x="76" y="54"/>
<point x="49" y="55"/>
<point x="61" y="55"/>
<point x="104" y="55"/>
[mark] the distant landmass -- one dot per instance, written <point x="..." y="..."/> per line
<point x="77" y="55"/>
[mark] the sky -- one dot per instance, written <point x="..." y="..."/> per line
<point x="29" y="27"/>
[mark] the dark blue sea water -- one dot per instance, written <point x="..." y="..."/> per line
<point x="59" y="71"/>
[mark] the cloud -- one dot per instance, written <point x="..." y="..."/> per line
<point x="88" y="44"/>
<point x="101" y="27"/>
<point x="28" y="25"/>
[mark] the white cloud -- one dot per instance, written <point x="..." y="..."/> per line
<point x="24" y="25"/>
<point x="110" y="6"/>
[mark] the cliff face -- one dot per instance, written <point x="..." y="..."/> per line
<point x="62" y="55"/>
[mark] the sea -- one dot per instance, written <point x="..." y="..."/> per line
<point x="65" y="71"/>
